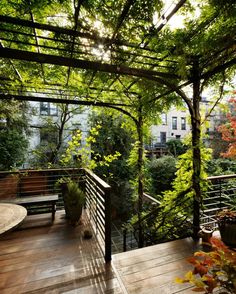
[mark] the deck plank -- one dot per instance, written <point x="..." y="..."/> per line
<point x="154" y="269"/>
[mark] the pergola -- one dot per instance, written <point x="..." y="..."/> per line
<point x="118" y="54"/>
<point x="99" y="59"/>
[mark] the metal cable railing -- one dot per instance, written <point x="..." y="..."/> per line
<point x="160" y="224"/>
<point x="221" y="194"/>
<point x="98" y="203"/>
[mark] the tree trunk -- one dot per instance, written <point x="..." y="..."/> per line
<point x="140" y="176"/>
<point x="63" y="119"/>
<point x="196" y="140"/>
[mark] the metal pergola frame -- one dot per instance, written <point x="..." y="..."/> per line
<point x="72" y="48"/>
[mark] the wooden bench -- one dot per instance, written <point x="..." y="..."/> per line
<point x="28" y="202"/>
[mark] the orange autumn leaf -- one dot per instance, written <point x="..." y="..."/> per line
<point x="228" y="131"/>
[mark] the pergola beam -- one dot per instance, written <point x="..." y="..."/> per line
<point x="61" y="100"/>
<point x="83" y="64"/>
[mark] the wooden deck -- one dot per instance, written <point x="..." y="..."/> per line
<point x="46" y="258"/>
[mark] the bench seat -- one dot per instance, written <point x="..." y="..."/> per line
<point x="28" y="202"/>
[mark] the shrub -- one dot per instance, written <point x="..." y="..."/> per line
<point x="176" y="147"/>
<point x="162" y="172"/>
<point x="220" y="166"/>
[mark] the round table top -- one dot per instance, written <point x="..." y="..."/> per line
<point x="11" y="215"/>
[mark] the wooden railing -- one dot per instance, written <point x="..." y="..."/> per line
<point x="98" y="203"/>
<point x="25" y="183"/>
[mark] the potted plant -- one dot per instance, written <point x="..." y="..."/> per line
<point x="226" y="220"/>
<point x="214" y="271"/>
<point x="73" y="197"/>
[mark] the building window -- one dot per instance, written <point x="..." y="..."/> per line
<point x="174" y="123"/>
<point x="47" y="108"/>
<point x="164" y="118"/>
<point x="178" y="137"/>
<point x="163" y="137"/>
<point x="183" y="123"/>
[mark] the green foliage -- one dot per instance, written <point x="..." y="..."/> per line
<point x="13" y="146"/>
<point x="39" y="8"/>
<point x="53" y="133"/>
<point x="75" y="196"/>
<point x="176" y="147"/>
<point x="115" y="135"/>
<point x="176" y="209"/>
<point x="80" y="156"/>
<point x="13" y="131"/>
<point x="161" y="226"/>
<point x="132" y="163"/>
<point x="43" y="153"/>
<point x="162" y="173"/>
<point x="217" y="144"/>
<point x="182" y="194"/>
<point x="15" y="114"/>
<point x="221" y="166"/>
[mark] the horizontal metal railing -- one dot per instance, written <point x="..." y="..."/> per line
<point x="221" y="194"/>
<point x="98" y="203"/>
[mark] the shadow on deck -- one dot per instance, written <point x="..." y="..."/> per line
<point x="44" y="258"/>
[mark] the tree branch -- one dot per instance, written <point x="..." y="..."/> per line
<point x="217" y="101"/>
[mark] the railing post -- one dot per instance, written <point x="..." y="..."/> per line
<point x="107" y="225"/>
<point x="220" y="183"/>
<point x="124" y="239"/>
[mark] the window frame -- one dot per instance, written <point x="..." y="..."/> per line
<point x="48" y="109"/>
<point x="183" y="123"/>
<point x="174" y="123"/>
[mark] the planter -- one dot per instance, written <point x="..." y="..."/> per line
<point x="228" y="234"/>
<point x="73" y="198"/>
<point x="64" y="190"/>
<point x="226" y="220"/>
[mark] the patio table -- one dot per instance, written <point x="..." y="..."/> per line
<point x="11" y="216"/>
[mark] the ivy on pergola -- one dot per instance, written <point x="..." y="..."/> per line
<point x="113" y="54"/>
<point x="74" y="48"/>
<point x="82" y="47"/>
